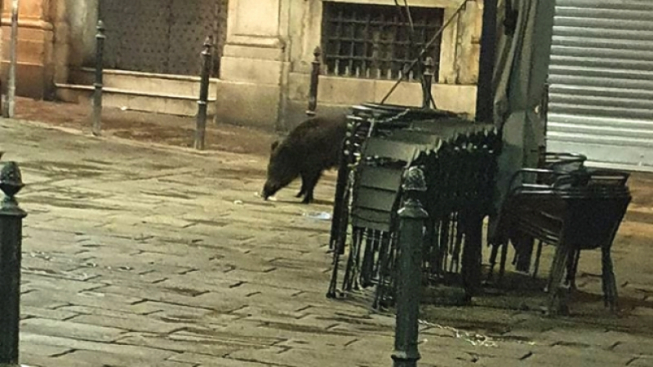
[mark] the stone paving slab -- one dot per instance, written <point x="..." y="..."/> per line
<point x="71" y="329"/>
<point x="29" y="341"/>
<point x="142" y="256"/>
<point x="212" y="361"/>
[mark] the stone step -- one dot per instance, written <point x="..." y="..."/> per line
<point x="162" y="102"/>
<point x="150" y="83"/>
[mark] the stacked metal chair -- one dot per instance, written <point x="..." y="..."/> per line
<point x="458" y="158"/>
<point x="460" y="182"/>
<point x="375" y="201"/>
<point x="569" y="206"/>
<point x="366" y="120"/>
<point x="367" y="192"/>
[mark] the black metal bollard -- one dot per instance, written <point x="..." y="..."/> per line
<point x="412" y="218"/>
<point x="427" y="83"/>
<point x="315" y="79"/>
<point x="202" y="103"/>
<point x="99" y="83"/>
<point x="11" y="223"/>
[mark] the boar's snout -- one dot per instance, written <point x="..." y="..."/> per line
<point x="269" y="189"/>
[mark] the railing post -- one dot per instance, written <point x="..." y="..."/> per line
<point x="202" y="103"/>
<point x="427" y="83"/>
<point x="99" y="83"/>
<point x="409" y="278"/>
<point x="11" y="223"/>
<point x="315" y="79"/>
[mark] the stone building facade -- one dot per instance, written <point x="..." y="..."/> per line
<point x="264" y="50"/>
<point x="269" y="49"/>
<point x="42" y="57"/>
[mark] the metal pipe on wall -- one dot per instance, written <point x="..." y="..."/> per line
<point x="11" y="79"/>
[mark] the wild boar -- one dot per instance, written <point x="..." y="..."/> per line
<point x="311" y="148"/>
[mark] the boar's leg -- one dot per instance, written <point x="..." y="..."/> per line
<point x="311" y="180"/>
<point x="302" y="191"/>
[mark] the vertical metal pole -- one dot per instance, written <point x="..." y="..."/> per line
<point x="340" y="217"/>
<point x="409" y="278"/>
<point x="472" y="252"/>
<point x="202" y="103"/>
<point x="2" y="97"/>
<point x="11" y="222"/>
<point x="315" y="79"/>
<point x="99" y="83"/>
<point x="485" y="90"/>
<point x="13" y="59"/>
<point x="339" y="204"/>
<point x="544" y="115"/>
<point x="427" y="83"/>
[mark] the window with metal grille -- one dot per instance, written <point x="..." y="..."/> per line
<point x="372" y="41"/>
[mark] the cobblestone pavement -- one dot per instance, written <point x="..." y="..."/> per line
<point x="150" y="256"/>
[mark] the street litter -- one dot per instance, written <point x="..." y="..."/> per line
<point x="318" y="215"/>
<point x="271" y="198"/>
<point x="472" y="338"/>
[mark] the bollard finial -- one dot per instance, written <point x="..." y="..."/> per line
<point x="208" y="44"/>
<point x="100" y="35"/>
<point x="429" y="65"/>
<point x="11" y="183"/>
<point x="413" y="186"/>
<point x="208" y="41"/>
<point x="317" y="61"/>
<point x="414" y="180"/>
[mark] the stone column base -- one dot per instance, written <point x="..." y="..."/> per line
<point x="33" y="70"/>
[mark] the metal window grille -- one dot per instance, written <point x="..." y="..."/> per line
<point x="372" y="41"/>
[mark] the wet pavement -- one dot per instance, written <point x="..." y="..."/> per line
<point x="137" y="254"/>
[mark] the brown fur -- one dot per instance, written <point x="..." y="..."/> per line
<point x="312" y="147"/>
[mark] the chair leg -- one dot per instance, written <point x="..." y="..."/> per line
<point x="572" y="267"/>
<point x="502" y="264"/>
<point x="493" y="260"/>
<point x="538" y="255"/>
<point x="367" y="268"/>
<point x="525" y="253"/>
<point x="609" y="281"/>
<point x="557" y="303"/>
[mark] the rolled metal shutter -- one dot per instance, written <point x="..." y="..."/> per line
<point x="601" y="82"/>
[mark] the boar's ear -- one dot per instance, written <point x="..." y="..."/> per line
<point x="274" y="145"/>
